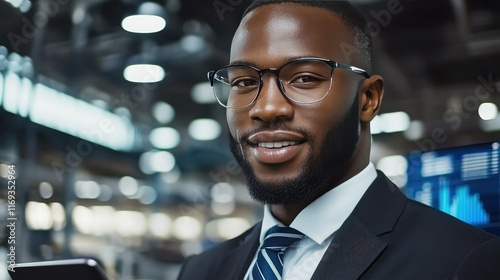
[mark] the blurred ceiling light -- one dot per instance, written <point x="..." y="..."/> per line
<point x="128" y="186"/>
<point x="156" y="162"/>
<point x="87" y="189"/>
<point x="23" y="5"/>
<point x="171" y="176"/>
<point x="395" y="165"/>
<point x="150" y="18"/>
<point x="490" y="125"/>
<point x="164" y="138"/>
<point x="202" y="93"/>
<point x="73" y="116"/>
<point x="223" y="199"/>
<point x="226" y="228"/>
<point x="143" y="23"/>
<point x="130" y="223"/>
<point x="11" y="96"/>
<point x="187" y="228"/>
<point x="204" y="129"/>
<point x="106" y="193"/>
<point x="83" y="219"/>
<point x="222" y="208"/>
<point x="25" y="97"/>
<point x="4" y="170"/>
<point x="163" y="112"/>
<point x="102" y="220"/>
<point x="395" y="168"/>
<point x="123" y="112"/>
<point x="390" y="122"/>
<point x="147" y="195"/>
<point x="162" y="161"/>
<point x="2" y="82"/>
<point x="38" y="216"/>
<point x="56" y="110"/>
<point x="144" y="73"/>
<point x="415" y="131"/>
<point x="487" y="111"/>
<point x="46" y="190"/>
<point x="58" y="215"/>
<point x="192" y="43"/>
<point x="223" y="192"/>
<point x="160" y="225"/>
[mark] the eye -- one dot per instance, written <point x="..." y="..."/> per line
<point x="306" y="79"/>
<point x="245" y="82"/>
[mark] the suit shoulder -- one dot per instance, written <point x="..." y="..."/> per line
<point x="436" y="221"/>
<point x="482" y="262"/>
<point x="228" y="245"/>
<point x="202" y="265"/>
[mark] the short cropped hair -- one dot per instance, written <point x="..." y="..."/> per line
<point x="348" y="14"/>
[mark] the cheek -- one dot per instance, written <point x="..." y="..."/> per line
<point x="233" y="122"/>
<point x="321" y="118"/>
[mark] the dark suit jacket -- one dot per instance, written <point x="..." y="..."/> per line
<point x="386" y="237"/>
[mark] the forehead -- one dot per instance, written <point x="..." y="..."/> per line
<point x="276" y="32"/>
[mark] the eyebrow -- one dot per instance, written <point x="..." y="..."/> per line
<point x="243" y="62"/>
<point x="287" y="59"/>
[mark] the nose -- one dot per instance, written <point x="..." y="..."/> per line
<point x="271" y="104"/>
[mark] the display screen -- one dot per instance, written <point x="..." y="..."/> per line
<point x="462" y="181"/>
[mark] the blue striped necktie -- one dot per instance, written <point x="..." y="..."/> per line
<point x="269" y="263"/>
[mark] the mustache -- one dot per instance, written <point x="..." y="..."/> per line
<point x="273" y="126"/>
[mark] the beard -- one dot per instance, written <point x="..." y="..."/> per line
<point x="320" y="173"/>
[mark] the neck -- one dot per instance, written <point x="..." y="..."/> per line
<point x="287" y="213"/>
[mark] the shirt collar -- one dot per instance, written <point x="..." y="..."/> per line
<point x="325" y="215"/>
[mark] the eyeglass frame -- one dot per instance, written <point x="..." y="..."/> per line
<point x="276" y="71"/>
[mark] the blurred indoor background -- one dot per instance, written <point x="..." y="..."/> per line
<point x="131" y="165"/>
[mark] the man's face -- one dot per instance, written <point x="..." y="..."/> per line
<point x="312" y="144"/>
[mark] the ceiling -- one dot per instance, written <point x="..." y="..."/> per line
<point x="432" y="54"/>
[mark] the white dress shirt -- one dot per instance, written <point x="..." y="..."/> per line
<point x="318" y="221"/>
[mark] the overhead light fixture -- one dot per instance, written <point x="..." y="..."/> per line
<point x="164" y="138"/>
<point x="390" y="122"/>
<point x="202" y="93"/>
<point x="163" y="112"/>
<point x="144" y="73"/>
<point x="23" y="5"/>
<point x="150" y="18"/>
<point x="487" y="111"/>
<point x="204" y="129"/>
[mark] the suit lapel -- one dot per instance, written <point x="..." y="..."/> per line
<point x="236" y="262"/>
<point x="356" y="244"/>
<point x="351" y="252"/>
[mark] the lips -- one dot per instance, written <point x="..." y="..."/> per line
<point x="275" y="147"/>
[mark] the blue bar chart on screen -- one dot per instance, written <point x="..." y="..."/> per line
<point x="461" y="181"/>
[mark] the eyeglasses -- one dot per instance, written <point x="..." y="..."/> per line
<point x="303" y="80"/>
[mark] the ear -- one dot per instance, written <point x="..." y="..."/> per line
<point x="371" y="91"/>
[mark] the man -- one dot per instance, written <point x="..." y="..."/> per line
<point x="299" y="103"/>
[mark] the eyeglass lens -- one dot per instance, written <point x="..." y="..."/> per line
<point x="301" y="81"/>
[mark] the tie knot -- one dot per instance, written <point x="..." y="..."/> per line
<point x="278" y="238"/>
